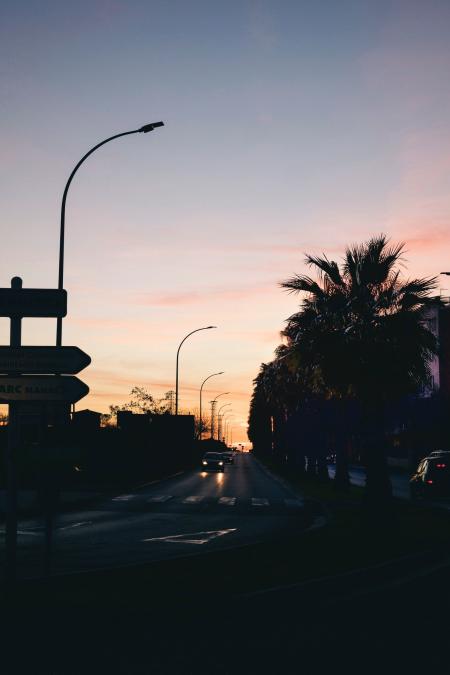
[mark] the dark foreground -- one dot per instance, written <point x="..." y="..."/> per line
<point x="277" y="605"/>
<point x="369" y="630"/>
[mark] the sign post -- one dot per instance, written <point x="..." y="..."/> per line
<point x="11" y="474"/>
<point x="32" y="375"/>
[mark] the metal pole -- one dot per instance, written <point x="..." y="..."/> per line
<point x="13" y="433"/>
<point x="201" y="421"/>
<point x="219" y="426"/>
<point x="178" y="354"/>
<point x="224" y="417"/>
<point x="144" y="129"/>
<point x="213" y="415"/>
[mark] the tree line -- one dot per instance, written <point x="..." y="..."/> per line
<point x="357" y="344"/>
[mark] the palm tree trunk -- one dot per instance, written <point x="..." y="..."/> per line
<point x="341" y="481"/>
<point x="377" y="501"/>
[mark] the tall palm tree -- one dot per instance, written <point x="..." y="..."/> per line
<point x="360" y="335"/>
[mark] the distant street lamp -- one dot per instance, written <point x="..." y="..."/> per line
<point x="218" y="419"/>
<point x="145" y="129"/>
<point x="213" y="405"/>
<point x="178" y="353"/>
<point x="201" y="421"/>
<point x="227" y="428"/>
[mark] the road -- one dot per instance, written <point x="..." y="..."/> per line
<point x="186" y="514"/>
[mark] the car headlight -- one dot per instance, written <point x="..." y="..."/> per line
<point x="220" y="463"/>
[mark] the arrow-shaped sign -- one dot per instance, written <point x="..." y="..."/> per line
<point x="42" y="360"/>
<point x="42" y="388"/>
<point x="193" y="537"/>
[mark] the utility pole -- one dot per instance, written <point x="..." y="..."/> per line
<point x="213" y="417"/>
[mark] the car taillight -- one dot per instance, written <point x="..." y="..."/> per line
<point x="429" y="481"/>
<point x="440" y="466"/>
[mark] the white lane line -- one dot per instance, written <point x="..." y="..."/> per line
<point x="228" y="501"/>
<point x="293" y="503"/>
<point x="123" y="498"/>
<point x="159" y="498"/>
<point x="260" y="501"/>
<point x="193" y="537"/>
<point x="194" y="499"/>
<point x="70" y="527"/>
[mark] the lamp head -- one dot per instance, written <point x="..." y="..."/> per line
<point x="149" y="127"/>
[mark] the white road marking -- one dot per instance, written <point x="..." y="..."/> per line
<point x="159" y="498"/>
<point x="228" y="501"/>
<point x="123" y="498"/>
<point x="260" y="501"/>
<point x="193" y="537"/>
<point x="70" y="527"/>
<point x="293" y="503"/>
<point x="33" y="533"/>
<point x="194" y="499"/>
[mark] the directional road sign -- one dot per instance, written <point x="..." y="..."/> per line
<point x="42" y="388"/>
<point x="38" y="302"/>
<point x="43" y="360"/>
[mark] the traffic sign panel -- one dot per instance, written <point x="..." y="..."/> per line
<point x="36" y="302"/>
<point x="31" y="360"/>
<point x="42" y="388"/>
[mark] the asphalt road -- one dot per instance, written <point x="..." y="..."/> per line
<point x="189" y="513"/>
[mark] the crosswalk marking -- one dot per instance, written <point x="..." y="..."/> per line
<point x="228" y="501"/>
<point x="194" y="499"/>
<point x="260" y="501"/>
<point x="290" y="503"/>
<point x="159" y="499"/>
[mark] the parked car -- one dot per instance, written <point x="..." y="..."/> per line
<point x="213" y="461"/>
<point x="228" y="457"/>
<point x="439" y="453"/>
<point x="431" y="479"/>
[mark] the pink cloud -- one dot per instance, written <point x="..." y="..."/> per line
<point x="192" y="297"/>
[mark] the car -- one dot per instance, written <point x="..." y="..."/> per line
<point x="439" y="453"/>
<point x="228" y="457"/>
<point x="431" y="480"/>
<point x="213" y="461"/>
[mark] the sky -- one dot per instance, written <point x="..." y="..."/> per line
<point x="291" y="127"/>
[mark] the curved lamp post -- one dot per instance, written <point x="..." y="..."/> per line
<point x="218" y="419"/>
<point x="178" y="353"/>
<point x="227" y="416"/>
<point x="207" y="378"/>
<point x="228" y="422"/>
<point x="145" y="129"/>
<point x="213" y="403"/>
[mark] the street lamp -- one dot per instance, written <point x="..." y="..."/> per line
<point x="207" y="378"/>
<point x="178" y="353"/>
<point x="145" y="129"/>
<point x="227" y="428"/>
<point x="218" y="419"/>
<point x="213" y="405"/>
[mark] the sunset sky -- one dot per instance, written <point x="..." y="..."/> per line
<point x="291" y="127"/>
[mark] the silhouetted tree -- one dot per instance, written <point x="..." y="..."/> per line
<point x="360" y="335"/>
